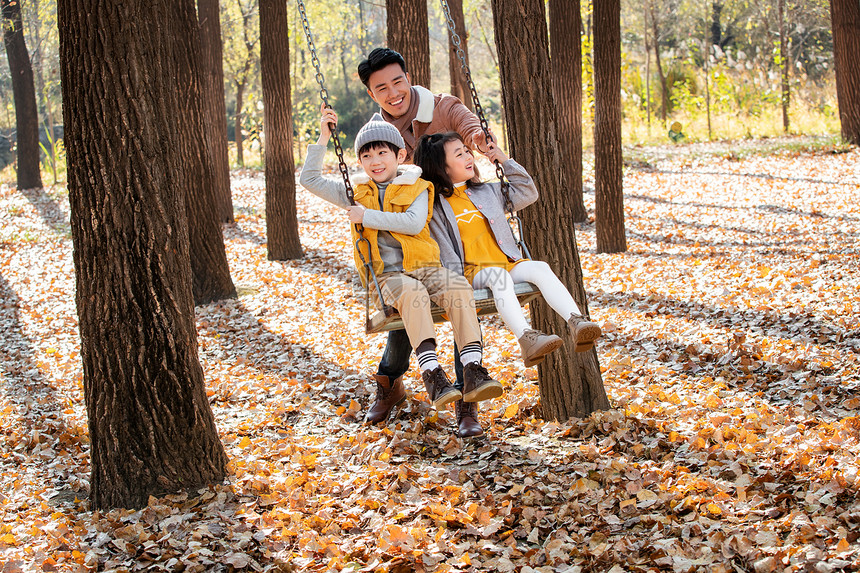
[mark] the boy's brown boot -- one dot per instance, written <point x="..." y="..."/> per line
<point x="439" y="388"/>
<point x="389" y="395"/>
<point x="477" y="384"/>
<point x="536" y="345"/>
<point x="584" y="332"/>
<point x="467" y="419"/>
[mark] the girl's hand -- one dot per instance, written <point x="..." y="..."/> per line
<point x="356" y="213"/>
<point x="495" y="153"/>
<point x="328" y="121"/>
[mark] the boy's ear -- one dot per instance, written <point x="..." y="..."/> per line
<point x="401" y="155"/>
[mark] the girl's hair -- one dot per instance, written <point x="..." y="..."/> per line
<point x="429" y="155"/>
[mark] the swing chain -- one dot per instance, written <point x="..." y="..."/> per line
<point x="479" y="111"/>
<point x="315" y="61"/>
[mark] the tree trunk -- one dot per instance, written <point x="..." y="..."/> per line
<point x="24" y="93"/>
<point x="785" y="60"/>
<point x="565" y="22"/>
<point x="43" y="100"/>
<point x="609" y="196"/>
<point x="647" y="69"/>
<point x="845" y="20"/>
<point x="212" y="67"/>
<point x="282" y="226"/>
<point x="664" y="89"/>
<point x="240" y="94"/>
<point x="409" y="34"/>
<point x="570" y="383"/>
<point x="209" y="269"/>
<point x="459" y="84"/>
<point x="151" y="427"/>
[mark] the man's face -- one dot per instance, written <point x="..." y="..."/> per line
<point x="390" y="88"/>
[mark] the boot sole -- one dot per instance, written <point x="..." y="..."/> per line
<point x="541" y="352"/>
<point x="585" y="338"/>
<point x="488" y="391"/>
<point x="451" y="396"/>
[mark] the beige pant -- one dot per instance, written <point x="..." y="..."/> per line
<point x="411" y="294"/>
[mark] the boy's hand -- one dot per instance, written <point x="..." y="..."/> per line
<point x="328" y="122"/>
<point x="495" y="153"/>
<point x="356" y="213"/>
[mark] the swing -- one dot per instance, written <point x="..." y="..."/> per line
<point x="387" y="318"/>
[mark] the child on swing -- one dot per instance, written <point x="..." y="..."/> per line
<point x="475" y="239"/>
<point x="393" y="205"/>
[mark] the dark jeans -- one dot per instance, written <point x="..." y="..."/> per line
<point x="398" y="351"/>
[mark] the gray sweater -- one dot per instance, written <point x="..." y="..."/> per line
<point x="410" y="222"/>
<point x="488" y="199"/>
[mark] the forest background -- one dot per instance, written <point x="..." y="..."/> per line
<point x="735" y="92"/>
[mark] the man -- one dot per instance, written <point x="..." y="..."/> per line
<point x="415" y="111"/>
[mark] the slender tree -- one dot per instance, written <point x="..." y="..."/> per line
<point x="609" y="198"/>
<point x="570" y="383"/>
<point x="409" y="34"/>
<point x="459" y="84"/>
<point x="656" y="23"/>
<point x="565" y="23"/>
<point x="212" y="83"/>
<point x="785" y="64"/>
<point x="845" y="20"/>
<point x="151" y="428"/>
<point x="282" y="227"/>
<point x="24" y="93"/>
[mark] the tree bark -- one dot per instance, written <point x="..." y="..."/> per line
<point x="282" y="226"/>
<point x="565" y="23"/>
<point x="240" y="95"/>
<point x="845" y="20"/>
<point x="785" y="60"/>
<point x="24" y="93"/>
<point x="609" y="196"/>
<point x="408" y="33"/>
<point x="459" y="84"/>
<point x="212" y="83"/>
<point x="151" y="427"/>
<point x="570" y="383"/>
<point x="664" y="88"/>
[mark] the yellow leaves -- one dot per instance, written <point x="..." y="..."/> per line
<point x="511" y="411"/>
<point x="244" y="442"/>
<point x="8" y="539"/>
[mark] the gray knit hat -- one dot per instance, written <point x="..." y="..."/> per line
<point x="377" y="129"/>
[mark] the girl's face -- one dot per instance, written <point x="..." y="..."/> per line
<point x="459" y="162"/>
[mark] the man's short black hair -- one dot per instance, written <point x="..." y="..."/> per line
<point x="376" y="145"/>
<point x="376" y="60"/>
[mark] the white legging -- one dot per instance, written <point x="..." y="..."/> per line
<point x="501" y="283"/>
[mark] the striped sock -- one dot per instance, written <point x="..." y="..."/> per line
<point x="472" y="352"/>
<point x="427" y="360"/>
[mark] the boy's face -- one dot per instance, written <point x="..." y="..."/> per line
<point x="380" y="163"/>
<point x="390" y="88"/>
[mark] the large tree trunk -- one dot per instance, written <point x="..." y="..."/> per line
<point x="282" y="226"/>
<point x="151" y="427"/>
<point x="459" y="84"/>
<point x="24" y="93"/>
<point x="408" y="34"/>
<point x="608" y="193"/>
<point x="845" y="19"/>
<point x="209" y="269"/>
<point x="570" y="383"/>
<point x="212" y="76"/>
<point x="565" y="23"/>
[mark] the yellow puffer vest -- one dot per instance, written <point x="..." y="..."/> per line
<point x="418" y="250"/>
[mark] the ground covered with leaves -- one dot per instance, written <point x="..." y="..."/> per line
<point x="730" y="359"/>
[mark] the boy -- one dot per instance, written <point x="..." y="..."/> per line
<point x="394" y="205"/>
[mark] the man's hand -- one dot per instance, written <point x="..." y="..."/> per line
<point x="494" y="153"/>
<point x="356" y="213"/>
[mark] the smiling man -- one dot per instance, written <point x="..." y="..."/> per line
<point x="415" y="111"/>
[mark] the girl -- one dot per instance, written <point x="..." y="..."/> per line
<point x="475" y="239"/>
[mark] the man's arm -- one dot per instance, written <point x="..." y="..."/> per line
<point x="463" y="121"/>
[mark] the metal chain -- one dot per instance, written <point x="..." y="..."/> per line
<point x="366" y="262"/>
<point x="479" y="111"/>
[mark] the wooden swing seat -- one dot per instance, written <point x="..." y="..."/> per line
<point x="484" y="305"/>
